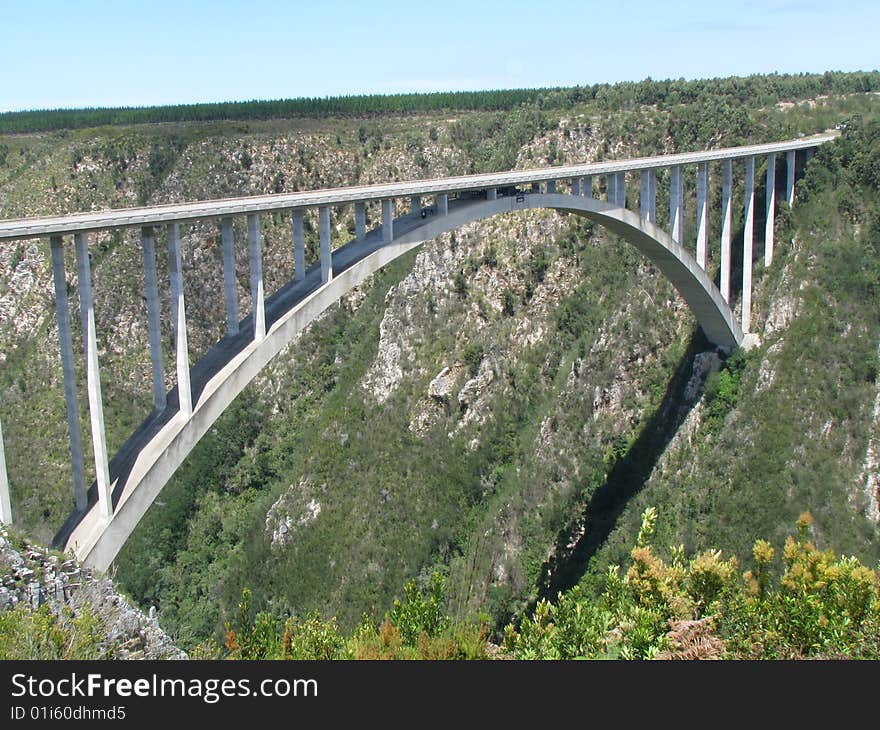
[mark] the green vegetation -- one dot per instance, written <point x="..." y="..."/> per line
<point x="41" y="634"/>
<point x="701" y="608"/>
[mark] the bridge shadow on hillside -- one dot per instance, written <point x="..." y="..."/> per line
<point x="623" y="483"/>
<point x="628" y="476"/>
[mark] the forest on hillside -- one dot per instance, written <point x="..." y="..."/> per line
<point x="751" y="91"/>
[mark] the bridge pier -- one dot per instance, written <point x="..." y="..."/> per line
<point x="790" y="160"/>
<point x="71" y="403"/>
<point x="611" y="188"/>
<point x="575" y="186"/>
<point x="93" y="374"/>
<point x="675" y="203"/>
<point x="360" y="221"/>
<point x="151" y="291"/>
<point x="621" y="189"/>
<point x="255" y="260"/>
<point x="702" y="212"/>
<point x="748" y="242"/>
<point x="769" y="225"/>
<point x="178" y="313"/>
<point x="230" y="290"/>
<point x="442" y="202"/>
<point x="388" y="220"/>
<point x="551" y="187"/>
<point x="299" y="247"/>
<point x="326" y="254"/>
<point x="492" y="194"/>
<point x="415" y="205"/>
<point x="5" y="502"/>
<point x="587" y="186"/>
<point x="726" y="224"/>
<point x="644" y="194"/>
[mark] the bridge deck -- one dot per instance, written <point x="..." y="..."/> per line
<point x="21" y="228"/>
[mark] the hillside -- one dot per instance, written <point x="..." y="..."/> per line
<point x="501" y="405"/>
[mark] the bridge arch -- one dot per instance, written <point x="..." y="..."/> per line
<point x="156" y="451"/>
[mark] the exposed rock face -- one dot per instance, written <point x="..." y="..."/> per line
<point x="294" y="509"/>
<point x="32" y="577"/>
<point x="704" y="363"/>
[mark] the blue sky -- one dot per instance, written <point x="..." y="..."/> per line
<point x="124" y="52"/>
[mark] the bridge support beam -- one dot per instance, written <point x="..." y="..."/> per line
<point x="575" y="186"/>
<point x="492" y="194"/>
<point x="415" y="205"/>
<point x="178" y="313"/>
<point x="230" y="289"/>
<point x="621" y="189"/>
<point x="360" y="221"/>
<point x="93" y="374"/>
<point x="748" y="242"/>
<point x="726" y="225"/>
<point x="770" y="224"/>
<point x="790" y="161"/>
<point x="442" y="202"/>
<point x="702" y="212"/>
<point x="388" y="220"/>
<point x="151" y="291"/>
<point x="5" y="502"/>
<point x="675" y="203"/>
<point x="62" y="315"/>
<point x="299" y="247"/>
<point x="326" y="254"/>
<point x="255" y="259"/>
<point x="611" y="188"/>
<point x="551" y="187"/>
<point x="587" y="186"/>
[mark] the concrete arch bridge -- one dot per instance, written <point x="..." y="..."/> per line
<point x="106" y="512"/>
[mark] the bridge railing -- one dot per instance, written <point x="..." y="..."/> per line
<point x="581" y="180"/>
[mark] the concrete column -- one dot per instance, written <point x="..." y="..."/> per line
<point x="151" y="290"/>
<point x="5" y="502"/>
<point x="62" y="314"/>
<point x="770" y="225"/>
<point x="675" y="210"/>
<point x="360" y="221"/>
<point x="551" y="186"/>
<point x="299" y="247"/>
<point x="178" y="312"/>
<point x="790" y="158"/>
<point x="491" y="194"/>
<point x="230" y="289"/>
<point x="575" y="186"/>
<point x="93" y="374"/>
<point x="621" y="189"/>
<point x="702" y="212"/>
<point x="442" y="203"/>
<point x="726" y="225"/>
<point x="388" y="220"/>
<point x="644" y="194"/>
<point x="653" y="198"/>
<point x="748" y="241"/>
<point x="415" y="205"/>
<point x="611" y="188"/>
<point x="326" y="254"/>
<point x="587" y="186"/>
<point x="255" y="260"/>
